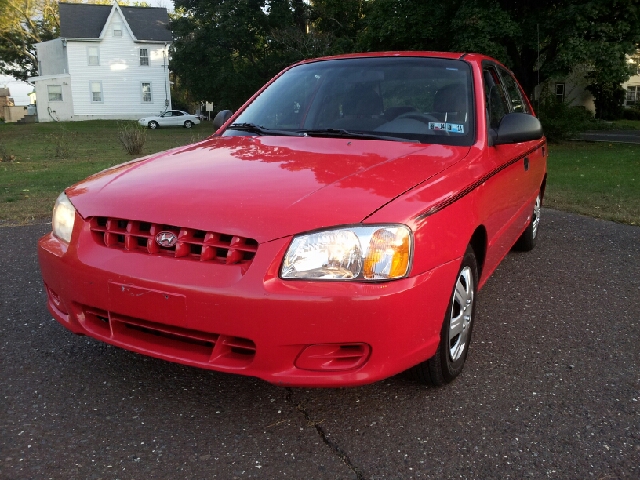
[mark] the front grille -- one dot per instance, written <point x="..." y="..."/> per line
<point x="168" y="341"/>
<point x="133" y="235"/>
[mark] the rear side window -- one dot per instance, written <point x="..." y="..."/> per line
<point x="497" y="103"/>
<point x="516" y="100"/>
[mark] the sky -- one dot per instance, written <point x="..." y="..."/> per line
<point x="20" y="90"/>
<point x="17" y="89"/>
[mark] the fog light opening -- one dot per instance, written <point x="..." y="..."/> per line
<point x="56" y="302"/>
<point x="333" y="357"/>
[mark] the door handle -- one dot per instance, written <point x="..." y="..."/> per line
<point x="526" y="164"/>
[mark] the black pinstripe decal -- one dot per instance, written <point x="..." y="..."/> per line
<point x="468" y="189"/>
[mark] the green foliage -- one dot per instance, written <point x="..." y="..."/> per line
<point x="561" y="121"/>
<point x="226" y="49"/>
<point x="631" y="113"/>
<point x="609" y="99"/>
<point x="23" y="23"/>
<point x="132" y="137"/>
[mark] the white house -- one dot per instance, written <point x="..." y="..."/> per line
<point x="110" y="62"/>
<point x="632" y="86"/>
<point x="573" y="89"/>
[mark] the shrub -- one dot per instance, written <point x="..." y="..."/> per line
<point x="5" y="156"/>
<point x="63" y="144"/>
<point x="631" y="114"/>
<point x="561" y="121"/>
<point x="132" y="137"/>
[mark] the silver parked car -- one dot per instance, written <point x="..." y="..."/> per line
<point x="170" y="118"/>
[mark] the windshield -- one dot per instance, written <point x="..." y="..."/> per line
<point x="418" y="99"/>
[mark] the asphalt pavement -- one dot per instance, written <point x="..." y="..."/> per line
<point x="551" y="388"/>
<point x="612" y="136"/>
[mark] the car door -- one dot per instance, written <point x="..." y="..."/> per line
<point x="508" y="191"/>
<point x="178" y="118"/>
<point x="536" y="160"/>
<point x="165" y="119"/>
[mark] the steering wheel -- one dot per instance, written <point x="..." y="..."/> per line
<point x="420" y="117"/>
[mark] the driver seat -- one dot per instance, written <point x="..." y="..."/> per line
<point x="450" y="103"/>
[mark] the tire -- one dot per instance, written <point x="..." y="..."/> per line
<point x="188" y="124"/>
<point x="153" y="125"/>
<point x="527" y="240"/>
<point x="455" y="337"/>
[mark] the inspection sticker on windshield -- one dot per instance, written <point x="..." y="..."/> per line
<point x="446" y="127"/>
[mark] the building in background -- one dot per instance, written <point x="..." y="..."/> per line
<point x="110" y="62"/>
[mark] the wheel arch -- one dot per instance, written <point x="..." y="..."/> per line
<point x="543" y="187"/>
<point x="478" y="243"/>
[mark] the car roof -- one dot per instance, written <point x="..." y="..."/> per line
<point x="472" y="57"/>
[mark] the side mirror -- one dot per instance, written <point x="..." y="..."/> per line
<point x="515" y="128"/>
<point x="221" y="117"/>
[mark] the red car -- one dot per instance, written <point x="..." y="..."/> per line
<point x="334" y="231"/>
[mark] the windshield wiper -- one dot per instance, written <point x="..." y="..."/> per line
<point x="253" y="128"/>
<point x="341" y="133"/>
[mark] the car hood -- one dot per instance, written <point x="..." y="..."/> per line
<point x="262" y="187"/>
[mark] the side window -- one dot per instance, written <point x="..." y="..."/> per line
<point x="146" y="92"/>
<point x="93" y="56"/>
<point x="496" y="99"/>
<point x="518" y="103"/>
<point x="144" y="57"/>
<point x="55" y="93"/>
<point x="560" y="92"/>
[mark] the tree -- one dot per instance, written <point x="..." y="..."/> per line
<point x="224" y="50"/>
<point x="537" y="40"/>
<point x="219" y="48"/>
<point x="23" y="23"/>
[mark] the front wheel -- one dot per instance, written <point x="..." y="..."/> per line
<point x="188" y="124"/>
<point x="527" y="240"/>
<point x="153" y="125"/>
<point x="448" y="361"/>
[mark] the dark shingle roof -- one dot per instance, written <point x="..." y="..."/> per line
<point x="150" y="24"/>
<point x="83" y="20"/>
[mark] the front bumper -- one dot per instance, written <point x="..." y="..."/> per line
<point x="244" y="320"/>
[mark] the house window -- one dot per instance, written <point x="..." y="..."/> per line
<point x="146" y="92"/>
<point x="635" y="65"/>
<point x="55" y="93"/>
<point x="117" y="30"/>
<point x="96" y="92"/>
<point x="633" y="92"/>
<point x="93" y="54"/>
<point x="560" y="92"/>
<point x="144" y="57"/>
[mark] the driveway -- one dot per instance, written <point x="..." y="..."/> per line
<point x="551" y="388"/>
<point x="613" y="136"/>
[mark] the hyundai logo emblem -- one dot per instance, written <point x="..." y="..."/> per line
<point x="166" y="239"/>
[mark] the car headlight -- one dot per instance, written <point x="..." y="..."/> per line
<point x="64" y="215"/>
<point x="377" y="252"/>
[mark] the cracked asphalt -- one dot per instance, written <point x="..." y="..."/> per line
<point x="551" y="388"/>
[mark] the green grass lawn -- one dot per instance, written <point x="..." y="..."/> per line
<point x="626" y="125"/>
<point x="597" y="179"/>
<point x="51" y="156"/>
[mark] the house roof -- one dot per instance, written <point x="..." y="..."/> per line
<point x="84" y="20"/>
